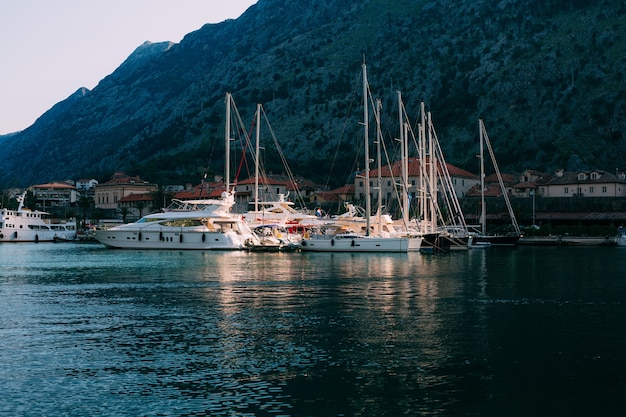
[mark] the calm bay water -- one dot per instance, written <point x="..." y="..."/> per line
<point x="498" y="332"/>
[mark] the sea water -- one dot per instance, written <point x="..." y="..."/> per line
<point x="524" y="331"/>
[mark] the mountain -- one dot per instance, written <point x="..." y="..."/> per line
<point x="548" y="78"/>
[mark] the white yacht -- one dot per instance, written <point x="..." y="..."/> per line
<point x="25" y="225"/>
<point x="281" y="212"/>
<point x="192" y="224"/>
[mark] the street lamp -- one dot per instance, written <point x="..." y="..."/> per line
<point x="532" y="193"/>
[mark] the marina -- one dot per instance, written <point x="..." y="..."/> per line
<point x="519" y="331"/>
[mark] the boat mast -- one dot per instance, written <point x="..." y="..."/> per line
<point x="422" y="156"/>
<point x="485" y="137"/>
<point x="368" y="203"/>
<point x="379" y="138"/>
<point x="256" y="157"/>
<point x="483" y="208"/>
<point x="432" y="175"/>
<point x="227" y="145"/>
<point x="404" y="155"/>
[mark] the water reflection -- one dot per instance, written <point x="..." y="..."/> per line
<point x="92" y="331"/>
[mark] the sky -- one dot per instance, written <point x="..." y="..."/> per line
<point x="51" y="48"/>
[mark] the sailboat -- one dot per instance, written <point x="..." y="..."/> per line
<point x="355" y="241"/>
<point x="482" y="238"/>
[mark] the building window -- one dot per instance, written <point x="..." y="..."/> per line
<point x="591" y="190"/>
<point x="388" y="183"/>
<point x="360" y="183"/>
<point x="594" y="175"/>
<point x="566" y="190"/>
<point x="604" y="188"/>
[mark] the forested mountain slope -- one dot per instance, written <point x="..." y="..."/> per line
<point x="548" y="78"/>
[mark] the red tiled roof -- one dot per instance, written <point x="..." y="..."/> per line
<point x="414" y="169"/>
<point x="346" y="189"/>
<point x="54" y="185"/>
<point x="201" y="191"/>
<point x="506" y="178"/>
<point x="130" y="198"/>
<point x="528" y="184"/>
<point x="125" y="180"/>
<point x="264" y="181"/>
<point x="327" y="196"/>
<point x="491" y="190"/>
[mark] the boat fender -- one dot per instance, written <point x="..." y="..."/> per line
<point x="352" y="244"/>
<point x="1" y="236"/>
<point x="181" y="238"/>
<point x="15" y="235"/>
<point x="161" y="236"/>
<point x="37" y="238"/>
<point x="332" y="242"/>
<point x="203" y="237"/>
<point x="303" y="243"/>
<point x="139" y="236"/>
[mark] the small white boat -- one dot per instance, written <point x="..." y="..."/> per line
<point x="25" y="225"/>
<point x="276" y="238"/>
<point x="185" y="225"/>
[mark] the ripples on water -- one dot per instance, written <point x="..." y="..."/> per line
<point x="503" y="332"/>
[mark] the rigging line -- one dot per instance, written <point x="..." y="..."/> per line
<point x="240" y="127"/>
<point x="451" y="197"/>
<point x="342" y="135"/>
<point x="292" y="179"/>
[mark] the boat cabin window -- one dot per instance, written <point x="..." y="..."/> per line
<point x="37" y="227"/>
<point x="182" y="223"/>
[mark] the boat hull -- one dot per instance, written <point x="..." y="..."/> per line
<point x="355" y="244"/>
<point x="27" y="235"/>
<point x="497" y="240"/>
<point x="185" y="240"/>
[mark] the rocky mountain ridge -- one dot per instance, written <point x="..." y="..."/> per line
<point x="547" y="77"/>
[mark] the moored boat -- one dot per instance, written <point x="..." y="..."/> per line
<point x="184" y="225"/>
<point x="276" y="238"/>
<point x="354" y="242"/>
<point x="25" y="225"/>
<point x="363" y="240"/>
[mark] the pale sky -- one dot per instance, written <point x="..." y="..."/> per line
<point x="51" y="48"/>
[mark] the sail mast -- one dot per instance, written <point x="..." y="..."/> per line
<point x="483" y="209"/>
<point x="422" y="155"/>
<point x="485" y="137"/>
<point x="404" y="155"/>
<point x="379" y="138"/>
<point x="256" y="157"/>
<point x="368" y="203"/>
<point x="227" y="145"/>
